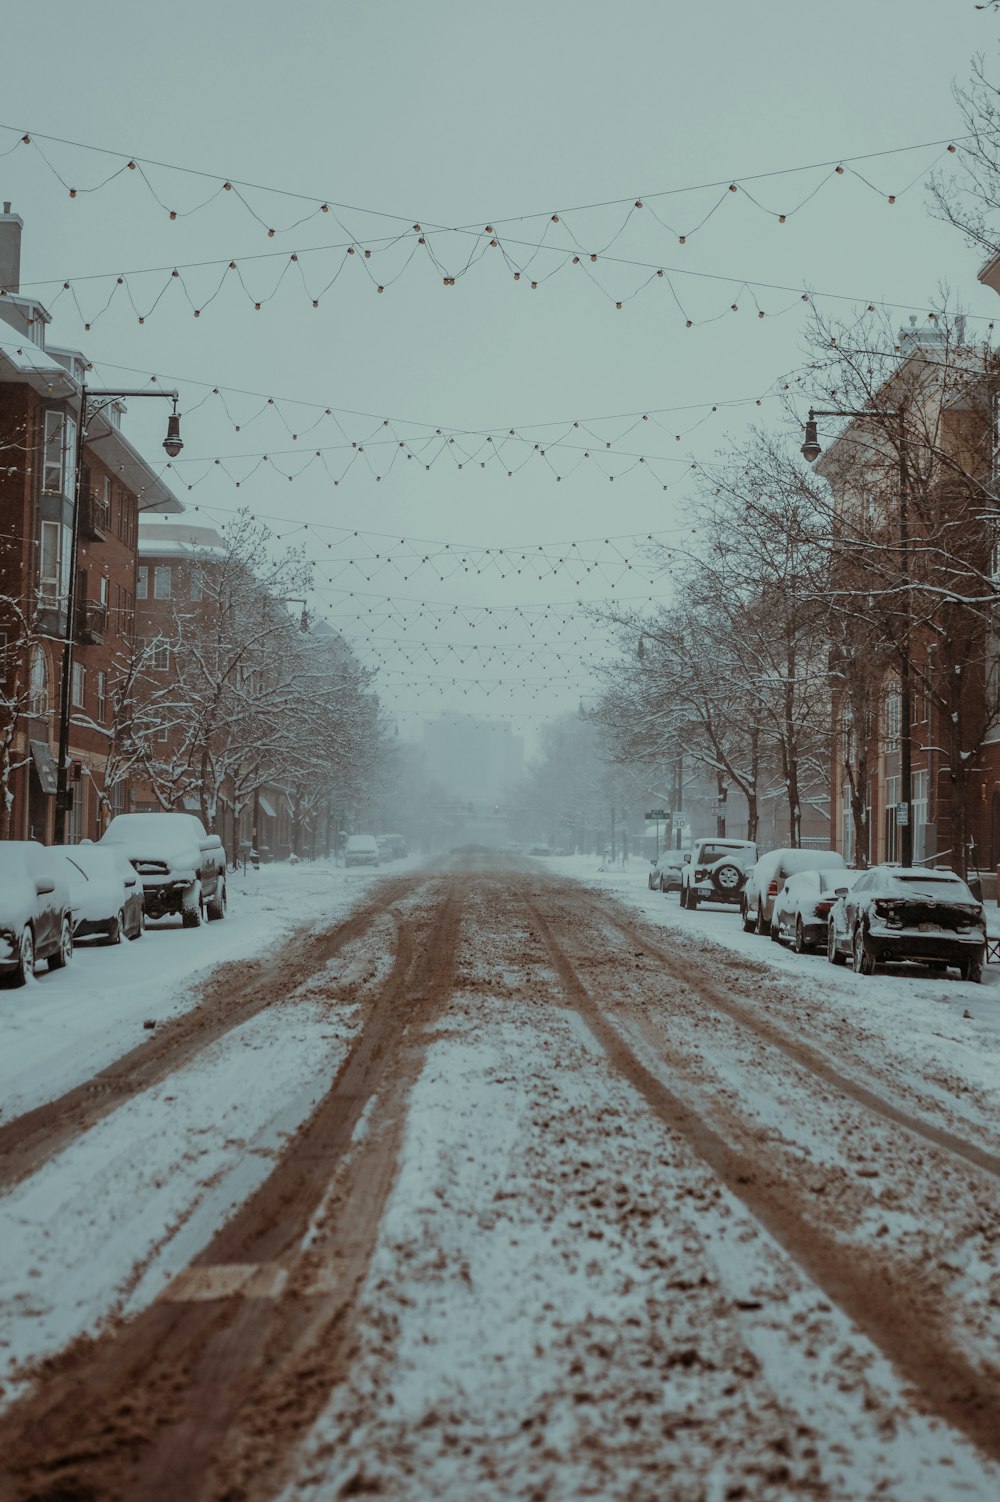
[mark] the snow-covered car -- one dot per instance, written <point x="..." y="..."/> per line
<point x="768" y="876"/>
<point x="716" y="871"/>
<point x="105" y="892"/>
<point x="182" y="868"/>
<point x="665" y="873"/>
<point x="908" y="913"/>
<point x="361" y="850"/>
<point x="802" y="908"/>
<point x="36" y="920"/>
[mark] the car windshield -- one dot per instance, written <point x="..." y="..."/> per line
<point x="938" y="886"/>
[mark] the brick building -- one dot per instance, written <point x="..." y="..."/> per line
<point x="927" y="450"/>
<point x="41" y="393"/>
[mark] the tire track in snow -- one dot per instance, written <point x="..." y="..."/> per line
<point x="231" y="995"/>
<point x="224" y="1371"/>
<point x="885" y="1303"/>
<point x="810" y="1059"/>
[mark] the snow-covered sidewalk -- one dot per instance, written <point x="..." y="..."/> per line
<point x="66" y="1025"/>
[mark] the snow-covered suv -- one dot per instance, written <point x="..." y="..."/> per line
<point x="716" y="871"/>
<point x="183" y="868"/>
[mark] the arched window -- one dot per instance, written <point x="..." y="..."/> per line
<point x="38" y="682"/>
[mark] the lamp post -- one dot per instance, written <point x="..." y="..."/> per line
<point x="173" y="445"/>
<point x="811" y="451"/>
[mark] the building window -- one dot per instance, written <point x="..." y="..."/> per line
<point x="52" y="454"/>
<point x="38" y="683"/>
<point x="918" y="814"/>
<point x="102" y="697"/>
<point x="52" y="582"/>
<point x="126" y="518"/>
<point x="195" y="585"/>
<point x="155" y="650"/>
<point x="893" y="718"/>
<point x="79" y="683"/>
<point x="161" y="581"/>
<point x="142" y="582"/>
<point x="892" y="841"/>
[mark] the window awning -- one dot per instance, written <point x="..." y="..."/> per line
<point x="44" y="765"/>
<point x="265" y="807"/>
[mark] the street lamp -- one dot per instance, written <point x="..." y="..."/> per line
<point x="173" y="445"/>
<point x="811" y="451"/>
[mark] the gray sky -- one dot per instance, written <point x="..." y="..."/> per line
<point x="468" y="114"/>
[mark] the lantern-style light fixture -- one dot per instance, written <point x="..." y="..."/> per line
<point x="173" y="442"/>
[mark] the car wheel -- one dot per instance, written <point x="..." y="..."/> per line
<point x="728" y="878"/>
<point x="972" y="969"/>
<point x="748" y="919"/>
<point x="833" y="954"/>
<point x="116" y="930"/>
<point x="864" y="964"/>
<point x="138" y="930"/>
<point x="215" y="907"/>
<point x="25" y="968"/>
<point x="64" y="953"/>
<point x="191" y="911"/>
<point x="800" y="937"/>
<point x="760" y="927"/>
<point x="775" y="931"/>
<point x="693" y="900"/>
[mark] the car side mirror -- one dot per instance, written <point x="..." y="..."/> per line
<point x="841" y="891"/>
<point x="44" y="885"/>
<point x="210" y="843"/>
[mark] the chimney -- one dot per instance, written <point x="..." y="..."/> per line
<point x="11" y="226"/>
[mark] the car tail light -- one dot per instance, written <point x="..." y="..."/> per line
<point x="701" y="873"/>
<point x="890" y="912"/>
<point x="823" y="909"/>
<point x="772" y="889"/>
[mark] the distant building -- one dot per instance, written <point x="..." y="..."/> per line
<point x="475" y="761"/>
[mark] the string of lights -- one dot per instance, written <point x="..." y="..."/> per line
<point x="300" y="417"/>
<point x="140" y="170"/>
<point x="114" y="288"/>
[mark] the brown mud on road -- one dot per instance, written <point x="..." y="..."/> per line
<point x="574" y="1219"/>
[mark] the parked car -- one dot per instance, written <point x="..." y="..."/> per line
<point x="105" y="892"/>
<point x="182" y="868"/>
<point x="385" y="851"/>
<point x="715" y="871"/>
<point x="769" y="875"/>
<point x="361" y="850"/>
<point x="802" y="908"/>
<point x="665" y="873"/>
<point x="908" y="913"/>
<point x="36" y="921"/>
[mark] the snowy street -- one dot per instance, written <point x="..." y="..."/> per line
<point x="496" y="1180"/>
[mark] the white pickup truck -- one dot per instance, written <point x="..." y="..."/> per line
<point x="182" y="867"/>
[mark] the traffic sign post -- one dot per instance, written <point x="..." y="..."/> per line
<point x="657" y="814"/>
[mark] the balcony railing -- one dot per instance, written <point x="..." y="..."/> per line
<point x="91" y="622"/>
<point x="95" y="517"/>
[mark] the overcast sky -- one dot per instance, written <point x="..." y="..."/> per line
<point x="468" y="115"/>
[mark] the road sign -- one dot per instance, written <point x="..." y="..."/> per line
<point x="902" y="814"/>
<point x="657" y="813"/>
